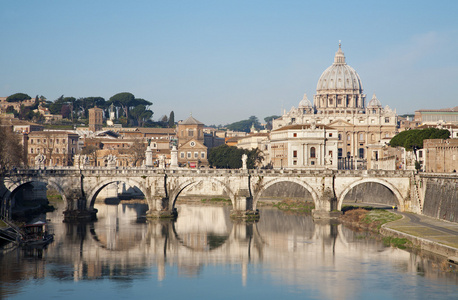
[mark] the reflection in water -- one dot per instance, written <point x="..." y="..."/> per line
<point x="285" y="254"/>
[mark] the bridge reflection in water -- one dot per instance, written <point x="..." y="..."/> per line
<point x="290" y="249"/>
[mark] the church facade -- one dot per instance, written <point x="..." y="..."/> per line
<point x="340" y="103"/>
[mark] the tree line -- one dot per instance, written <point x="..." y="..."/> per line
<point x="128" y="109"/>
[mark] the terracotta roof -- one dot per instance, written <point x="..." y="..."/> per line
<point x="191" y="121"/>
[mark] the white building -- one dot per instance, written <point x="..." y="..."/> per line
<point x="304" y="147"/>
<point x="340" y="103"/>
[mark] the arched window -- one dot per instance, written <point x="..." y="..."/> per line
<point x="312" y="152"/>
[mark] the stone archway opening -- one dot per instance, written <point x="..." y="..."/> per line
<point x="372" y="194"/>
<point x="119" y="201"/>
<point x="286" y="194"/>
<point x="203" y="223"/>
<point x="202" y="192"/>
<point x="32" y="200"/>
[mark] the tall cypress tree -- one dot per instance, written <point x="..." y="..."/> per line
<point x="172" y="119"/>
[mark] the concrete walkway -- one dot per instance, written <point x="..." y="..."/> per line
<point x="428" y="233"/>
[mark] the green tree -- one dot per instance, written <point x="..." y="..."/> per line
<point x="141" y="114"/>
<point x="18" y="97"/>
<point x="413" y="139"/>
<point x="230" y="157"/>
<point x="172" y="120"/>
<point x="245" y="125"/>
<point x="127" y="101"/>
<point x="269" y="120"/>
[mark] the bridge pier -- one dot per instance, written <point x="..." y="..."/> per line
<point x="159" y="209"/>
<point x="243" y="207"/>
<point x="327" y="206"/>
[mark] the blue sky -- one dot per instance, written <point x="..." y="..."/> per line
<point x="224" y="61"/>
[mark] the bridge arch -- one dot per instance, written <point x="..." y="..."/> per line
<point x="95" y="190"/>
<point x="48" y="182"/>
<point x="392" y="188"/>
<point x="176" y="191"/>
<point x="271" y="182"/>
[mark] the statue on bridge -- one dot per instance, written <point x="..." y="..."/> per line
<point x="244" y="159"/>
<point x="111" y="160"/>
<point x="40" y="160"/>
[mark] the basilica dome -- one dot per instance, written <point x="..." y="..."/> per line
<point x="339" y="78"/>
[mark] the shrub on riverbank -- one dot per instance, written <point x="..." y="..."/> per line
<point x="368" y="218"/>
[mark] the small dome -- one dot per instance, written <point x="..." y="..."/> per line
<point x="339" y="76"/>
<point x="374" y="102"/>
<point x="305" y="102"/>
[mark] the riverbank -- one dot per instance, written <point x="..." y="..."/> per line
<point x="407" y="230"/>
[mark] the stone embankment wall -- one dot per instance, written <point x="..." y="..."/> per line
<point x="371" y="192"/>
<point x="441" y="197"/>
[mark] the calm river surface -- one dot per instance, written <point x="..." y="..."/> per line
<point x="204" y="255"/>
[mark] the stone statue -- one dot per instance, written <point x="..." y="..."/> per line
<point x="244" y="158"/>
<point x="328" y="159"/>
<point x="40" y="160"/>
<point x="162" y="161"/>
<point x="111" y="160"/>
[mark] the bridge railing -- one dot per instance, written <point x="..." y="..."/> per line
<point x="145" y="171"/>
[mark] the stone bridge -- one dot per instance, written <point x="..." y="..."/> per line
<point x="161" y="187"/>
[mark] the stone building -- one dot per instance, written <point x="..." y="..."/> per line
<point x="192" y="151"/>
<point x="95" y="119"/>
<point x="304" y="147"/>
<point x="433" y="116"/>
<point x="340" y="103"/>
<point x="440" y="156"/>
<point x="51" y="148"/>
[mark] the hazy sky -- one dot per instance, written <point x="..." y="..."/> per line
<point x="224" y="61"/>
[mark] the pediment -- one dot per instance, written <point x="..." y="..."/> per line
<point x="340" y="123"/>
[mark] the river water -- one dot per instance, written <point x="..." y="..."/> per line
<point x="205" y="255"/>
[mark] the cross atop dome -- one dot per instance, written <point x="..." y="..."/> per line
<point x="340" y="57"/>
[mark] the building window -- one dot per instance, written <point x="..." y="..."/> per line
<point x="31" y="150"/>
<point x="361" y="136"/>
<point x="31" y="141"/>
<point x="202" y="155"/>
<point x="196" y="154"/>
<point x="361" y="152"/>
<point x="189" y="155"/>
<point x="57" y="141"/>
<point x="312" y="163"/>
<point x="182" y="154"/>
<point x="294" y="134"/>
<point x="339" y="152"/>
<point x="312" y="152"/>
<point x="348" y="154"/>
<point x="190" y="133"/>
<point x="295" y="153"/>
<point x="330" y="134"/>
<point x="348" y="137"/>
<point x="387" y="120"/>
<point x="340" y="137"/>
<point x="294" y="162"/>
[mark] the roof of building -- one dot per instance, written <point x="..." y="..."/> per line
<point x="191" y="121"/>
<point x="453" y="109"/>
<point x="302" y="127"/>
<point x="374" y="102"/>
<point x="305" y="102"/>
<point x="339" y="76"/>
